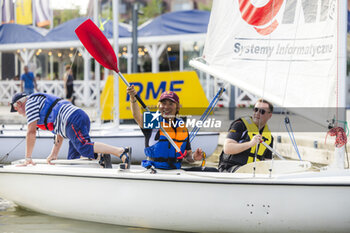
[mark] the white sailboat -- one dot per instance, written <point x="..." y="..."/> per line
<point x="184" y="201"/>
<point x="280" y="196"/>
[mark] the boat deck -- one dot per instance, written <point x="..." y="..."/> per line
<point x="91" y="169"/>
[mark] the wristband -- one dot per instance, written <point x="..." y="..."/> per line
<point x="28" y="158"/>
<point x="133" y="101"/>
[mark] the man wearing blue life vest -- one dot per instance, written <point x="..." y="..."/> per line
<point x="49" y="112"/>
<point x="242" y="143"/>
<point x="160" y="153"/>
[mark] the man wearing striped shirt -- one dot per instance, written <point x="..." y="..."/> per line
<point x="49" y="112"/>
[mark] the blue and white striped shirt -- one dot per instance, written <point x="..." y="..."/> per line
<point x="33" y="107"/>
<point x="35" y="104"/>
<point x="61" y="121"/>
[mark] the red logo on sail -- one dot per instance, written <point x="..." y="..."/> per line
<point x="262" y="18"/>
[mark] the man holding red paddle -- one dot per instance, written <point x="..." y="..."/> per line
<point x="99" y="47"/>
<point x="159" y="152"/>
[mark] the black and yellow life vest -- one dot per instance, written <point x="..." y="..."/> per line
<point x="247" y="156"/>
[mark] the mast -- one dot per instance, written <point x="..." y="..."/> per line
<point x="97" y="70"/>
<point x="115" y="7"/>
<point x="342" y="8"/>
<point x="342" y="48"/>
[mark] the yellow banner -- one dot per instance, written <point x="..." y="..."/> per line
<point x="24" y="12"/>
<point x="150" y="86"/>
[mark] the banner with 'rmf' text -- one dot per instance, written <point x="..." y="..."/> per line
<point x="149" y="87"/>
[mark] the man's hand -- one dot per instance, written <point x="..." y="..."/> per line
<point x="194" y="156"/>
<point x="28" y="161"/>
<point x="135" y="108"/>
<point x="198" y="154"/>
<point x="50" y="158"/>
<point x="30" y="142"/>
<point x="256" y="140"/>
<point x="132" y="92"/>
<point x="55" y="149"/>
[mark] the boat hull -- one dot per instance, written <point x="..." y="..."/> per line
<point x="13" y="143"/>
<point x="184" y="201"/>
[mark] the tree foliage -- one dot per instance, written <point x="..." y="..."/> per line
<point x="204" y="7"/>
<point x="65" y="15"/>
<point x="150" y="11"/>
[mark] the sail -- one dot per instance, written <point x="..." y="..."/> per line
<point x="282" y="50"/>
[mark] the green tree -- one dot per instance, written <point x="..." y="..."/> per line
<point x="204" y="7"/>
<point x="153" y="9"/>
<point x="61" y="16"/>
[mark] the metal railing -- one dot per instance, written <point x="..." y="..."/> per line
<point x="83" y="96"/>
<point x="87" y="96"/>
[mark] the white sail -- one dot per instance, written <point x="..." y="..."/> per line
<point x="282" y="50"/>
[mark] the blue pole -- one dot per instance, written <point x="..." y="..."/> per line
<point x="207" y="112"/>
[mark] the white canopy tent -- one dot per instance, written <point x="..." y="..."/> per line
<point x="155" y="45"/>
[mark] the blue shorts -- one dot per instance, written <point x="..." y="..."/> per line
<point x="77" y="130"/>
<point x="29" y="91"/>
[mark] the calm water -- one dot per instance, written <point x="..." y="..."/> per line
<point x="17" y="220"/>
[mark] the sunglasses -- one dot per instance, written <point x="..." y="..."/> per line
<point x="261" y="111"/>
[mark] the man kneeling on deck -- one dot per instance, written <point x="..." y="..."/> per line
<point x="49" y="112"/>
<point x="160" y="153"/>
<point x="243" y="140"/>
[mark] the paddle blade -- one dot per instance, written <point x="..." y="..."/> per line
<point x="97" y="44"/>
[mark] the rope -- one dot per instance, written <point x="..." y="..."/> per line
<point x="206" y="113"/>
<point x="264" y="86"/>
<point x="346" y="126"/>
<point x="8" y="154"/>
<point x="291" y="135"/>
<point x="340" y="136"/>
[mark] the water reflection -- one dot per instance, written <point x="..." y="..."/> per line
<point x="14" y="219"/>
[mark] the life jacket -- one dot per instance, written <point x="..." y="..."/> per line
<point x="49" y="111"/>
<point x="248" y="156"/>
<point x="162" y="154"/>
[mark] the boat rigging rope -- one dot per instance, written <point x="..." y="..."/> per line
<point x="340" y="136"/>
<point x="340" y="139"/>
<point x="206" y="113"/>
<point x="264" y="83"/>
<point x="4" y="157"/>
<point x="291" y="135"/>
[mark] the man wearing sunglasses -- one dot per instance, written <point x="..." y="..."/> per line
<point x="49" y="112"/>
<point x="242" y="144"/>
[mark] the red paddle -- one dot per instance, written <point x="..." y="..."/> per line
<point x="97" y="45"/>
<point x="100" y="48"/>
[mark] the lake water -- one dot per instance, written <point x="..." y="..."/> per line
<point x="17" y="220"/>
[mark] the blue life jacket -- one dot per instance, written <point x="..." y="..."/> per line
<point x="49" y="111"/>
<point x="162" y="154"/>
